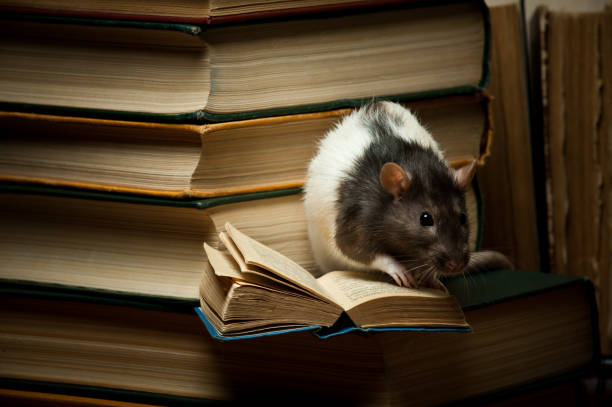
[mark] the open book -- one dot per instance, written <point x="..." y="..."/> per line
<point x="251" y="290"/>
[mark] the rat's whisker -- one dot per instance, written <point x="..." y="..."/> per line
<point x="426" y="275"/>
<point x="417" y="267"/>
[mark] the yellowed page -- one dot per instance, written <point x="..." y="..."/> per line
<point x="223" y="263"/>
<point x="260" y="255"/>
<point x="351" y="288"/>
<point x="226" y="264"/>
<point x="233" y="250"/>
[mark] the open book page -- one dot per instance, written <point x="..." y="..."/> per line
<point x="233" y="250"/>
<point x="260" y="255"/>
<point x="214" y="291"/>
<point x="352" y="288"/>
<point x="289" y="311"/>
<point x="224" y="264"/>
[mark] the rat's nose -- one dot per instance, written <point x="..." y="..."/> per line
<point x="452" y="266"/>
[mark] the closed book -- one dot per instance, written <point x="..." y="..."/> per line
<point x="197" y="12"/>
<point x="198" y="161"/>
<point x="170" y="72"/>
<point x="143" y="247"/>
<point x="132" y="246"/>
<point x="530" y="329"/>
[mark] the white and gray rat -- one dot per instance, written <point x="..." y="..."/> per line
<point x="380" y="195"/>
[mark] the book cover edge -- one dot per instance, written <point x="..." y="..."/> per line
<point x="64" y="292"/>
<point x="216" y="335"/>
<point x="532" y="283"/>
<point x="322" y="332"/>
<point x="202" y="116"/>
<point x="86" y="194"/>
<point x="183" y="27"/>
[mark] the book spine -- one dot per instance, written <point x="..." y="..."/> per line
<point x="479" y="212"/>
<point x="486" y="54"/>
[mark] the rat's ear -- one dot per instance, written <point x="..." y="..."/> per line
<point x="394" y="179"/>
<point x="464" y="175"/>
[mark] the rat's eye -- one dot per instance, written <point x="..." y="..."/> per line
<point x="426" y="219"/>
<point x="463" y="219"/>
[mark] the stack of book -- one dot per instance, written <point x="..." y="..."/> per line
<point x="132" y="134"/>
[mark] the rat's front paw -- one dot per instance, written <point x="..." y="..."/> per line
<point x="403" y="277"/>
<point x="400" y="275"/>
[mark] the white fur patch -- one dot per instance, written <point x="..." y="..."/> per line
<point x="338" y="153"/>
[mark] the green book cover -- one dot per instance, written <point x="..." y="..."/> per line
<point x="32" y="189"/>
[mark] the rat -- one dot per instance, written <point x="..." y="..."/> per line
<point x="379" y="195"/>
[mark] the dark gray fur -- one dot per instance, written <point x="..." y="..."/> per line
<point x="370" y="221"/>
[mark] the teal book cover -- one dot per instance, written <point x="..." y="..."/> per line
<point x="343" y="326"/>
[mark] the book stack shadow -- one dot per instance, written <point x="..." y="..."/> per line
<point x="131" y="136"/>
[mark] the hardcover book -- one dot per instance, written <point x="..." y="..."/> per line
<point x="530" y="329"/>
<point x="199" y="12"/>
<point x="510" y="181"/>
<point x="182" y="160"/>
<point x="142" y="247"/>
<point x="131" y="246"/>
<point x="252" y="290"/>
<point x="171" y="72"/>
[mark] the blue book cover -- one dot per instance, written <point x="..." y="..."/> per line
<point x="472" y="292"/>
<point x="342" y="326"/>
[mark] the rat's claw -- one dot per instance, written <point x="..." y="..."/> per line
<point x="403" y="278"/>
<point x="407" y="279"/>
<point x="400" y="275"/>
<point x="398" y="281"/>
<point x="410" y="278"/>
